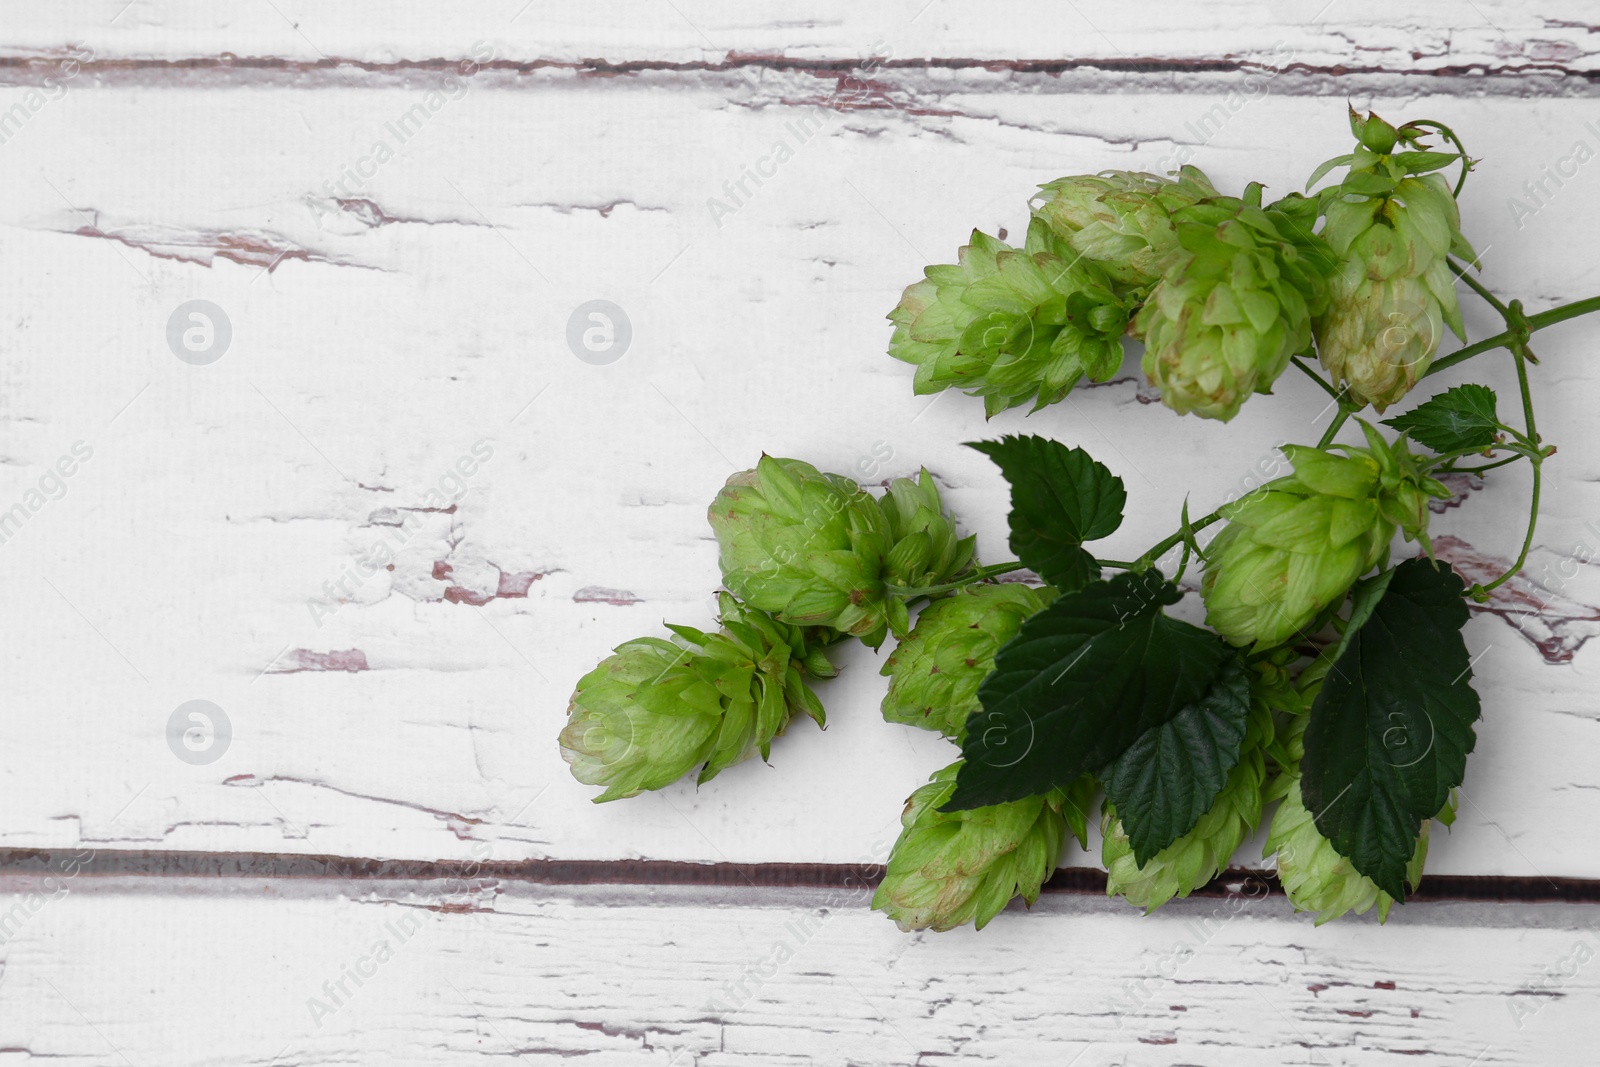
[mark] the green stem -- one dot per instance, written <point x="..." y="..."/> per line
<point x="1479" y="470"/>
<point x="1501" y="340"/>
<point x="1527" y="543"/>
<point x="1519" y="326"/>
<point x="1520" y="447"/>
<point x="1478" y="287"/>
<point x="1333" y="427"/>
<point x="1345" y="408"/>
<point x="1519" y="352"/>
<point x="1466" y="164"/>
<point x="1314" y="376"/>
<point x="1156" y="550"/>
<point x="971" y="578"/>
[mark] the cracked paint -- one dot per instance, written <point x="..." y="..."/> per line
<point x="595" y="594"/>
<point x="299" y="660"/>
<point x="253" y="248"/>
<point x="1554" y="624"/>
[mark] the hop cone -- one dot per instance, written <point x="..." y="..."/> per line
<point x="1011" y="325"/>
<point x="1313" y="874"/>
<point x="951" y="868"/>
<point x="1122" y="220"/>
<point x="926" y="550"/>
<point x="1227" y="316"/>
<point x="1199" y="855"/>
<point x="1391" y="225"/>
<point x="934" y="673"/>
<point x="814" y="549"/>
<point x="658" y="709"/>
<point x="1292" y="548"/>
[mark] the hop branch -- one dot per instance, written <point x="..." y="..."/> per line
<point x="1326" y="681"/>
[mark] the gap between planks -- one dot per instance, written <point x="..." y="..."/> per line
<point x="25" y="865"/>
<point x="1092" y="74"/>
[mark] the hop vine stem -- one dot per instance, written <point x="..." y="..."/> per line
<point x="1485" y="467"/>
<point x="1535" y="323"/>
<point x="1519" y="327"/>
<point x="978" y="574"/>
<point x="1478" y="287"/>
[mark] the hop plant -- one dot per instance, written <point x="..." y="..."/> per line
<point x="1201" y="854"/>
<point x="1392" y="222"/>
<point x="1122" y="220"/>
<point x="1011" y="325"/>
<point x="1231" y="311"/>
<point x="1314" y="876"/>
<point x="951" y="868"/>
<point x="658" y="709"/>
<point x="934" y="673"/>
<point x="815" y="549"/>
<point x="1099" y="675"/>
<point x="1294" y="547"/>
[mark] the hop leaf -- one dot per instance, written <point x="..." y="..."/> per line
<point x="1193" y="859"/>
<point x="1060" y="498"/>
<point x="949" y="869"/>
<point x="1099" y="673"/>
<point x="934" y="673"/>
<point x="1455" y="420"/>
<point x="1201" y="854"/>
<point x="1011" y="325"/>
<point x="1388" y="735"/>
<point x="1314" y="876"/>
<point x="656" y="710"/>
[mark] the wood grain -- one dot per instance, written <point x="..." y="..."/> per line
<point x="1513" y="40"/>
<point x="243" y="970"/>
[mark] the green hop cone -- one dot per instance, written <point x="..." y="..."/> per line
<point x="1122" y="220"/>
<point x="1227" y="316"/>
<point x="1391" y="222"/>
<point x="658" y="709"/>
<point x="807" y="546"/>
<point x="1201" y="854"/>
<point x="1313" y="874"/>
<point x="934" y="673"/>
<point x="816" y="550"/>
<point x="1011" y="325"/>
<point x="1292" y="548"/>
<point x="926" y="549"/>
<point x="951" y="868"/>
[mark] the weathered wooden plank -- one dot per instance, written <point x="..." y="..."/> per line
<point x="1543" y="38"/>
<point x="248" y="971"/>
<point x="387" y="324"/>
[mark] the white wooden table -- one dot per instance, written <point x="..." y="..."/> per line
<point x="387" y="521"/>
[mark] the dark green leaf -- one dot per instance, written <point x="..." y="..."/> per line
<point x="1390" y="731"/>
<point x="1060" y="498"/>
<point x="1081" y="682"/>
<point x="1456" y="419"/>
<point x="1171" y="775"/>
